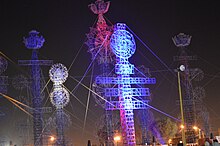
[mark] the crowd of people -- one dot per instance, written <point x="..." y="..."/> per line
<point x="210" y="142"/>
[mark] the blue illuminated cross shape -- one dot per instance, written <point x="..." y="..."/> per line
<point x="123" y="46"/>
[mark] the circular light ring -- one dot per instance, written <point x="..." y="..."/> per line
<point x="58" y="73"/>
<point x="3" y="64"/>
<point x="123" y="44"/>
<point x="20" y="82"/>
<point x="60" y="97"/>
<point x="98" y="41"/>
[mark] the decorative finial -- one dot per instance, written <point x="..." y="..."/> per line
<point x="100" y="7"/>
<point x="33" y="41"/>
<point x="182" y="40"/>
<point x="120" y="26"/>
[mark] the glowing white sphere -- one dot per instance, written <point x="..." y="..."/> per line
<point x="60" y="97"/>
<point x="58" y="73"/>
<point x="123" y="44"/>
<point x="182" y="68"/>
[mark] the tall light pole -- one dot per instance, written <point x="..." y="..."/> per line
<point x="181" y="68"/>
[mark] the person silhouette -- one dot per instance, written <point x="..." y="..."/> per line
<point x="215" y="142"/>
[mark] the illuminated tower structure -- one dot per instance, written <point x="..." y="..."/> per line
<point x="35" y="42"/>
<point x="195" y="113"/>
<point x="98" y="41"/>
<point x="21" y="83"/>
<point x="145" y="116"/>
<point x="101" y="124"/>
<point x="3" y="78"/>
<point x="59" y="97"/>
<point x="23" y="125"/>
<point x="125" y="96"/>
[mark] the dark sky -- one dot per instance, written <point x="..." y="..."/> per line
<point x="64" y="23"/>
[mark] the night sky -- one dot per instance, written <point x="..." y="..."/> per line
<point x="64" y="24"/>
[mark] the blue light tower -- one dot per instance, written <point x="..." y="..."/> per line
<point x="145" y="116"/>
<point x="59" y="97"/>
<point x="195" y="112"/>
<point x="98" y="41"/>
<point x="35" y="42"/>
<point x="124" y="97"/>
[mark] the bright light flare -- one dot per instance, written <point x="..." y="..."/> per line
<point x="52" y="138"/>
<point x="182" y="126"/>
<point x="117" y="138"/>
<point x="195" y="128"/>
<point x="170" y="140"/>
